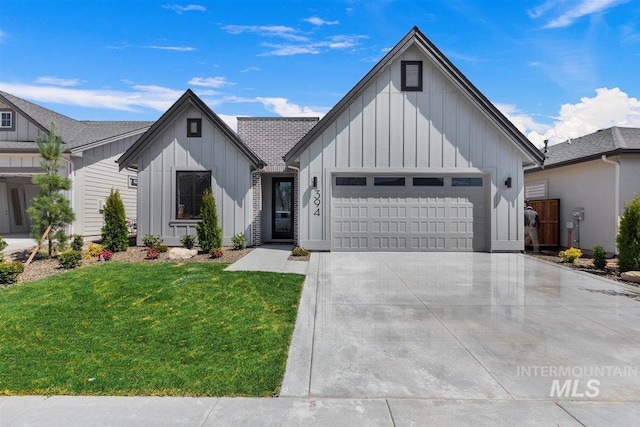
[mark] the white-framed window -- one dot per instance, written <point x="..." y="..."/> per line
<point x="133" y="181"/>
<point x="6" y="120"/>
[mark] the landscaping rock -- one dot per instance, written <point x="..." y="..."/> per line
<point x="631" y="276"/>
<point x="182" y="253"/>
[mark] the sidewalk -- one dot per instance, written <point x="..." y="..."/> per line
<point x="271" y="257"/>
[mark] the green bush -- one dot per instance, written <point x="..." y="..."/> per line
<point x="150" y="240"/>
<point x="628" y="239"/>
<point x="77" y="242"/>
<point x="299" y="251"/>
<point x="570" y="255"/>
<point x="9" y="272"/>
<point x="188" y="241"/>
<point x="160" y="248"/>
<point x="115" y="233"/>
<point x="599" y="257"/>
<point x="70" y="259"/>
<point x="209" y="231"/>
<point x="239" y="242"/>
<point x="3" y="245"/>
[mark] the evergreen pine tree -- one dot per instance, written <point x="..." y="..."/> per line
<point x="209" y="231"/>
<point x="629" y="237"/>
<point x="50" y="207"/>
<point x="115" y="235"/>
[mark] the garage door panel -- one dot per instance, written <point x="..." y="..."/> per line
<point x="405" y="218"/>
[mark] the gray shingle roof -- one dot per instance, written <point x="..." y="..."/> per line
<point x="272" y="137"/>
<point x="605" y="141"/>
<point x="74" y="133"/>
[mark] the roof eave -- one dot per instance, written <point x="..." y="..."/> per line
<point x="592" y="157"/>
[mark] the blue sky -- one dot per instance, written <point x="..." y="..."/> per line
<point x="558" y="69"/>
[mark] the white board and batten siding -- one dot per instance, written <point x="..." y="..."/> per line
<point x="438" y="132"/>
<point x="24" y="129"/>
<point x="172" y="151"/>
<point x="95" y="174"/>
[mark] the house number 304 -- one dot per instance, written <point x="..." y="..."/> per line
<point x="316" y="202"/>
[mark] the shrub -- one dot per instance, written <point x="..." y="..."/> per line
<point x="599" y="257"/>
<point x="188" y="241"/>
<point x="150" y="240"/>
<point x="152" y="254"/>
<point x="570" y="255"/>
<point x="70" y="259"/>
<point x="628" y="239"/>
<point x="105" y="255"/>
<point x="299" y="251"/>
<point x="3" y="245"/>
<point x="209" y="231"/>
<point x="9" y="272"/>
<point x="77" y="242"/>
<point x="115" y="234"/>
<point x="239" y="242"/>
<point x="93" y="250"/>
<point x="217" y="253"/>
<point x="161" y="248"/>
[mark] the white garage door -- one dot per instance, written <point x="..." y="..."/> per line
<point x="408" y="213"/>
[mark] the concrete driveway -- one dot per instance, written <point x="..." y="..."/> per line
<point x="471" y="326"/>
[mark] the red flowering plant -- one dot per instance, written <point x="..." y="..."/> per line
<point x="152" y="254"/>
<point x="104" y="255"/>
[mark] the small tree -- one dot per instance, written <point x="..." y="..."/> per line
<point x="50" y="207"/>
<point x="115" y="235"/>
<point x="209" y="231"/>
<point x="628" y="239"/>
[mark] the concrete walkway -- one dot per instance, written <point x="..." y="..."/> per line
<point x="270" y="257"/>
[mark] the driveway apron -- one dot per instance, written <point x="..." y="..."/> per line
<point x="467" y="326"/>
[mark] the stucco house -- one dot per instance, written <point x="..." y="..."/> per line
<point x="599" y="173"/>
<point x="414" y="157"/>
<point x="90" y="151"/>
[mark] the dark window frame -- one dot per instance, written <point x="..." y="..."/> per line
<point x="385" y="181"/>
<point x="198" y="132"/>
<point x="459" y="181"/>
<point x="428" y="181"/>
<point x="351" y="181"/>
<point x="403" y="77"/>
<point x="194" y="210"/>
<point x="13" y="119"/>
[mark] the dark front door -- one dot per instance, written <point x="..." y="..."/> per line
<point x="282" y="209"/>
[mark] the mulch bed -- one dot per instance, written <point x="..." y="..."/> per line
<point x="42" y="267"/>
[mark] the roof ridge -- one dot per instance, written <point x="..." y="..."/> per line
<point x="618" y="139"/>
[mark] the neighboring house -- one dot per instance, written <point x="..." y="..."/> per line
<point x="275" y="187"/>
<point x="90" y="151"/>
<point x="599" y="172"/>
<point x="188" y="150"/>
<point x="413" y="158"/>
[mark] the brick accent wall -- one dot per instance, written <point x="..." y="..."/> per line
<point x="256" y="226"/>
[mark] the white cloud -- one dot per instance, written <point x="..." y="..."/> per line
<point x="3" y="35"/>
<point x="56" y="81"/>
<point x="174" y="48"/>
<point x="314" y="20"/>
<point x="231" y="121"/>
<point x="190" y="7"/>
<point x="571" y="11"/>
<point x="334" y="42"/>
<point x="251" y="69"/>
<point x="214" y="82"/>
<point x="289" y="49"/>
<point x="609" y="107"/>
<point x="284" y="108"/>
<point x="267" y="31"/>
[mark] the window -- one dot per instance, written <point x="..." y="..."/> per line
<point x="194" y="127"/>
<point x="133" y="181"/>
<point x="189" y="189"/>
<point x="466" y="182"/>
<point x="351" y="180"/>
<point x="411" y="78"/>
<point x="6" y="120"/>
<point x="388" y="181"/>
<point x="428" y="182"/>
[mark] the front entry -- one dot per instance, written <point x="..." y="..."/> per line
<point x="282" y="208"/>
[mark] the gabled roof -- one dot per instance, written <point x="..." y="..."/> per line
<point x="272" y="137"/>
<point x="187" y="99"/>
<point x="415" y="37"/>
<point x="76" y="135"/>
<point x="611" y="141"/>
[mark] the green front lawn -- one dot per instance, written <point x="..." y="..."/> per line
<point x="148" y="329"/>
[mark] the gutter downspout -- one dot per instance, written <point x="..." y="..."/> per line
<point x="616" y="193"/>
